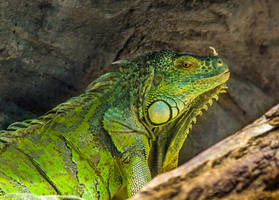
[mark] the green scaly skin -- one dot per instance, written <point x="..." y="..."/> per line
<point x="107" y="143"/>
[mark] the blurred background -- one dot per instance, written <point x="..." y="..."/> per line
<point x="50" y="50"/>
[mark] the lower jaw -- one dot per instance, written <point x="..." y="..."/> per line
<point x="203" y="101"/>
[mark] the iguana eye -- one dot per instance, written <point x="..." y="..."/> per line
<point x="186" y="62"/>
<point x="159" y="112"/>
<point x="186" y="65"/>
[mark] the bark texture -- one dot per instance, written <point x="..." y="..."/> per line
<point x="51" y="49"/>
<point x="243" y="166"/>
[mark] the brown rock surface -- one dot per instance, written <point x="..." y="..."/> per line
<point x="51" y="49"/>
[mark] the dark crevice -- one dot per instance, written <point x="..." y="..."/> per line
<point x="273" y="184"/>
<point x="195" y="193"/>
<point x="123" y="47"/>
<point x="263" y="49"/>
<point x="220" y="160"/>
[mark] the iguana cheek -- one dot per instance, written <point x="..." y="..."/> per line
<point x="159" y="112"/>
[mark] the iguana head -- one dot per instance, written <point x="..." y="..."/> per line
<point x="173" y="88"/>
<point x="180" y="81"/>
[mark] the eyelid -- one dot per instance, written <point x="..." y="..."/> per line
<point x="191" y="61"/>
<point x="185" y="64"/>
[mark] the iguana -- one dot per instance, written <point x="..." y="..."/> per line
<point x="127" y="127"/>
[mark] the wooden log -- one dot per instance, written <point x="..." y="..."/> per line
<point x="242" y="166"/>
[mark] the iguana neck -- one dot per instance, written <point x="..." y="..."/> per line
<point x="183" y="123"/>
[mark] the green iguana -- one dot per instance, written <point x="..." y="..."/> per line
<point x="107" y="143"/>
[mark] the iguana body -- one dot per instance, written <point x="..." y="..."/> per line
<point x="127" y="127"/>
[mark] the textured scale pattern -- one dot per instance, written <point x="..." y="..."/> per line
<point x="127" y="127"/>
<point x="139" y="172"/>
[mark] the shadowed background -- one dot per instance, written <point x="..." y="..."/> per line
<point x="50" y="50"/>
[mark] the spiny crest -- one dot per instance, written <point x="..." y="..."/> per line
<point x="103" y="82"/>
<point x="24" y="124"/>
<point x="19" y="129"/>
<point x="205" y="105"/>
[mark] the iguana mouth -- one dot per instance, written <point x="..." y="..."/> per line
<point x="221" y="78"/>
<point x="202" y="101"/>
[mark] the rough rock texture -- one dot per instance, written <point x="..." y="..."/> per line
<point x="51" y="49"/>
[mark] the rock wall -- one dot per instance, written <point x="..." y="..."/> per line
<point x="51" y="50"/>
